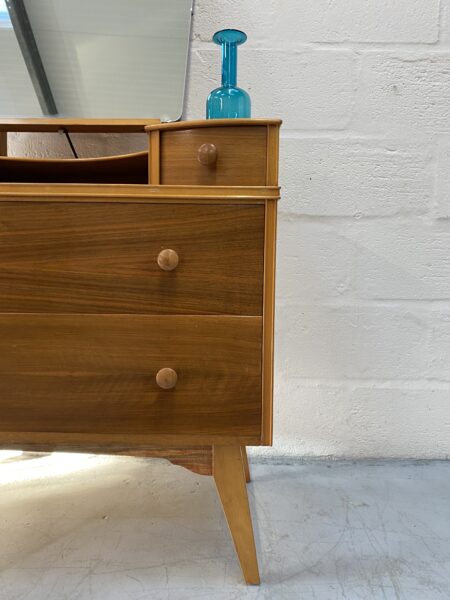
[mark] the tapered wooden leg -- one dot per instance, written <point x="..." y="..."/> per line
<point x="230" y="481"/>
<point x="245" y="464"/>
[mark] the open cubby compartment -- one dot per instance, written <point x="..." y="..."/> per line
<point x="127" y="168"/>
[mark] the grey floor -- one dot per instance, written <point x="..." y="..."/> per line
<point x="99" y="528"/>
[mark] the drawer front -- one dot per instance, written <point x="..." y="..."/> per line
<point x="98" y="374"/>
<point x="103" y="258"/>
<point x="230" y="155"/>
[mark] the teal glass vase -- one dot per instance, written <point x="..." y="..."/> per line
<point x="228" y="101"/>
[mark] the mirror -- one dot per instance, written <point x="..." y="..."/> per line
<point x="93" y="58"/>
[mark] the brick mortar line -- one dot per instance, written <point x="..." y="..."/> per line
<point x="366" y="302"/>
<point x="341" y="460"/>
<point x="408" y="216"/>
<point x="370" y="383"/>
<point x="363" y="48"/>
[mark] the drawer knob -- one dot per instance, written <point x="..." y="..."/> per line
<point x="207" y="154"/>
<point x="168" y="260"/>
<point x="166" y="378"/>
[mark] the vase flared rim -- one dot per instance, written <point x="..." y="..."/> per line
<point x="229" y="36"/>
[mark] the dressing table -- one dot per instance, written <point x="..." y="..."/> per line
<point x="137" y="300"/>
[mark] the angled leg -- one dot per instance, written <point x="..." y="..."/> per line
<point x="245" y="463"/>
<point x="230" y="481"/>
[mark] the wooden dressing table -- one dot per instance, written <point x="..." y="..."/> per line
<point x="137" y="300"/>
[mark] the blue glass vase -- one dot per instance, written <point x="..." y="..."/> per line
<point x="228" y="101"/>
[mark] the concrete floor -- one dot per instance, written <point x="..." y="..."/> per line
<point x="100" y="528"/>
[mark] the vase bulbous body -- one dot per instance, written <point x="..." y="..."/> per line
<point x="228" y="103"/>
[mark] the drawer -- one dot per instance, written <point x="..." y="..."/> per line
<point x="97" y="374"/>
<point x="103" y="258"/>
<point x="230" y="155"/>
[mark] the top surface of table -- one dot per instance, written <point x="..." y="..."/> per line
<point x="121" y="125"/>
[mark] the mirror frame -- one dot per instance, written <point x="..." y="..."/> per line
<point x="92" y="124"/>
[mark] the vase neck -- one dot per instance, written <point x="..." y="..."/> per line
<point x="229" y="65"/>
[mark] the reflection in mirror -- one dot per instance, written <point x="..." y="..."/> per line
<point x="93" y="58"/>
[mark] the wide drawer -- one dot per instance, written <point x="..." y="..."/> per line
<point x="103" y="258"/>
<point x="214" y="156"/>
<point x="97" y="374"/>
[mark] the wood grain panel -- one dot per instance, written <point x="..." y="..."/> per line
<point x="100" y="257"/>
<point x="241" y="153"/>
<point x="96" y="374"/>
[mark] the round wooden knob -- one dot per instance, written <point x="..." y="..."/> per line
<point x="168" y="260"/>
<point x="166" y="378"/>
<point x="207" y="154"/>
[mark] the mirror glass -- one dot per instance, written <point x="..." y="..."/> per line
<point x="93" y="58"/>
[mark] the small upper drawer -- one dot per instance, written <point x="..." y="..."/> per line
<point x="114" y="257"/>
<point x="214" y="156"/>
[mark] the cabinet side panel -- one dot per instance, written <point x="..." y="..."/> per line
<point x="273" y="137"/>
<point x="269" y="286"/>
<point x="154" y="160"/>
<point x="268" y="321"/>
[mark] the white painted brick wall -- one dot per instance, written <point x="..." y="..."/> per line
<point x="443" y="179"/>
<point x="363" y="317"/>
<point x="404" y="92"/>
<point x="363" y="313"/>
<point x="361" y="419"/>
<point x="406" y="260"/>
<point x="440" y="345"/>
<point x="445" y="21"/>
<point x="353" y="341"/>
<point x="343" y="176"/>
<point x="372" y="21"/>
